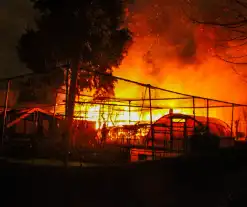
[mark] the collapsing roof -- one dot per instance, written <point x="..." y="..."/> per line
<point x="22" y="114"/>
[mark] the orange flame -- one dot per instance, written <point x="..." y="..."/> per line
<point x="172" y="54"/>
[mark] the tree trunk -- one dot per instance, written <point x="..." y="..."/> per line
<point x="71" y="105"/>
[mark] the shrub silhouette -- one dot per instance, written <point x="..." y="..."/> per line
<point x="205" y="142"/>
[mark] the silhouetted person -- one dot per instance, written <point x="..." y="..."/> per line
<point x="104" y="132"/>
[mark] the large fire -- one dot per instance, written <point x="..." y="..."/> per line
<point x="171" y="53"/>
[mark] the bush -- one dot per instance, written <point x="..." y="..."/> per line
<point x="204" y="143"/>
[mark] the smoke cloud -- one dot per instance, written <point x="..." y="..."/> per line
<point x="169" y="33"/>
<point x="170" y="51"/>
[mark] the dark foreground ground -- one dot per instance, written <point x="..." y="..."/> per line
<point x="209" y="180"/>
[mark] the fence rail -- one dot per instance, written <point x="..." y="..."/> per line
<point x="134" y="104"/>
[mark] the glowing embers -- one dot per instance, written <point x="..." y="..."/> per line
<point x="128" y="134"/>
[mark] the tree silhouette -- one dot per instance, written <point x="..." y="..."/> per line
<point x="87" y="34"/>
<point x="229" y="19"/>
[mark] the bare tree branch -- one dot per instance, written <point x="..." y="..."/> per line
<point x="218" y="24"/>
<point x="230" y="62"/>
<point x="243" y="4"/>
<point x="243" y="77"/>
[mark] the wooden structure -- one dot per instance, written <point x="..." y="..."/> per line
<point x="37" y="125"/>
<point x="30" y="123"/>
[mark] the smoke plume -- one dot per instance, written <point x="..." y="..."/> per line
<point x="172" y="52"/>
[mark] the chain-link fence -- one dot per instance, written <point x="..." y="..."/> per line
<point x="136" y="116"/>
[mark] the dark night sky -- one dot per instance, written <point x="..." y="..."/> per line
<point x="14" y="17"/>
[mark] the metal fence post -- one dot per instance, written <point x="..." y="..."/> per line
<point x="151" y="120"/>
<point x="232" y="120"/>
<point x="5" y="111"/>
<point x="207" y="116"/>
